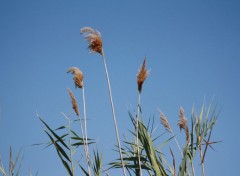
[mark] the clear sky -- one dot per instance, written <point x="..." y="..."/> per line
<point x="192" y="50"/>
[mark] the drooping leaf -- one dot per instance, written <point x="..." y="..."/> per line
<point x="58" y="147"/>
<point x="84" y="171"/>
<point x="61" y="153"/>
<point x="54" y="134"/>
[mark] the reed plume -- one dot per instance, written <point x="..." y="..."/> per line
<point x="142" y="75"/>
<point x="78" y="80"/>
<point x="94" y="39"/>
<point x="168" y="128"/>
<point x="78" y="76"/>
<point x="95" y="46"/>
<point x="182" y="123"/>
<point x="74" y="102"/>
<point x="164" y="122"/>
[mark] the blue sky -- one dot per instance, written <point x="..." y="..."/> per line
<point x="192" y="50"/>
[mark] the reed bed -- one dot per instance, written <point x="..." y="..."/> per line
<point x="140" y="153"/>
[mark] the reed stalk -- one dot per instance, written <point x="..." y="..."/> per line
<point x="85" y="119"/>
<point x="96" y="46"/>
<point x="70" y="144"/>
<point x="85" y="146"/>
<point x="75" y="107"/>
<point x="137" y="129"/>
<point x="202" y="160"/>
<point x="114" y="115"/>
<point x="85" y="127"/>
<point x="168" y="128"/>
<point x="141" y="77"/>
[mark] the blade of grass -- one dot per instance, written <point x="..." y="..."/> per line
<point x="10" y="162"/>
<point x="19" y="167"/>
<point x="54" y="134"/>
<point x="61" y="153"/>
<point x="84" y="171"/>
<point x="58" y="147"/>
<point x="97" y="163"/>
<point x="147" y="143"/>
<point x="174" y="163"/>
<point x="2" y="168"/>
<point x="183" y="165"/>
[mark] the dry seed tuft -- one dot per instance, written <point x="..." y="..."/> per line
<point x="182" y="123"/>
<point x="164" y="122"/>
<point x="74" y="102"/>
<point x="94" y="39"/>
<point x="78" y="76"/>
<point x="142" y="75"/>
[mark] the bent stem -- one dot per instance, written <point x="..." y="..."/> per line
<point x="113" y="112"/>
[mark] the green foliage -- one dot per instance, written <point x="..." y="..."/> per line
<point x="97" y="164"/>
<point x="149" y="156"/>
<point x="12" y="164"/>
<point x="65" y="150"/>
<point x="154" y="162"/>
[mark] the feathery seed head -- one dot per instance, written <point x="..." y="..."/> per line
<point x="142" y="75"/>
<point x="164" y="122"/>
<point x="182" y="123"/>
<point x="78" y="76"/>
<point x="94" y="39"/>
<point x="74" y="102"/>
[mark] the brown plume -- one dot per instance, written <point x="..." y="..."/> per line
<point x="164" y="122"/>
<point x="182" y="123"/>
<point x="142" y="75"/>
<point x="94" y="39"/>
<point x="78" y="76"/>
<point x="74" y="102"/>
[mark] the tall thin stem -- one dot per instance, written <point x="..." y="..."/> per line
<point x="85" y="119"/>
<point x="70" y="144"/>
<point x="180" y="150"/>
<point x="113" y="112"/>
<point x="137" y="129"/>
<point x="192" y="166"/>
<point x="85" y="146"/>
<point x="202" y="162"/>
<point x="176" y="141"/>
